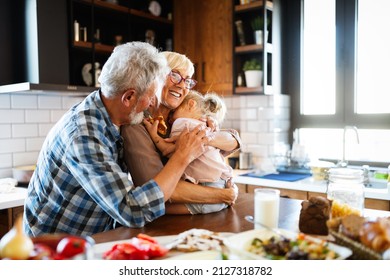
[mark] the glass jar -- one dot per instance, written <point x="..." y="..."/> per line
<point x="346" y="191"/>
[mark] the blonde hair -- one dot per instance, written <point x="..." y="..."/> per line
<point x="180" y="62"/>
<point x="210" y="104"/>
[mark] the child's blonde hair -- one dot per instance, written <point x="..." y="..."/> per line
<point x="210" y="104"/>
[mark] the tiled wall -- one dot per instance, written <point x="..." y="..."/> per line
<point x="25" y="120"/>
<point x="263" y="122"/>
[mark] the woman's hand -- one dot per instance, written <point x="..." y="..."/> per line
<point x="232" y="193"/>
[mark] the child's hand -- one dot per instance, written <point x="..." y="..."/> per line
<point x="151" y="127"/>
<point x="211" y="123"/>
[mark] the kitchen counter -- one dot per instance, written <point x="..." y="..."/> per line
<point x="13" y="199"/>
<point x="307" y="184"/>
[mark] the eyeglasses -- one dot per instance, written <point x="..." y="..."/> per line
<point x="176" y="78"/>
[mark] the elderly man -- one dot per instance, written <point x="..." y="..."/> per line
<point x="80" y="185"/>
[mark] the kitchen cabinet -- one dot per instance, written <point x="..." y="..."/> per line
<point x="8" y="217"/>
<point x="96" y="27"/>
<point x="202" y="31"/>
<point x="245" y="47"/>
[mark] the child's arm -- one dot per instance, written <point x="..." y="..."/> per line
<point x="166" y="146"/>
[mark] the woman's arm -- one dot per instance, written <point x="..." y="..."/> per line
<point x="187" y="192"/>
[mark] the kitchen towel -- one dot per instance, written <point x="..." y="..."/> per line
<point x="281" y="176"/>
<point x="7" y="185"/>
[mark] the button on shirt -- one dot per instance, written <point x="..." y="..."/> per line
<point x="78" y="186"/>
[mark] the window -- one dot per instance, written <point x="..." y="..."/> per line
<point x="344" y="79"/>
<point x="373" y="57"/>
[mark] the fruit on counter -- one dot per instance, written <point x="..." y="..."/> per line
<point x="142" y="247"/>
<point x="70" y="246"/>
<point x="15" y="244"/>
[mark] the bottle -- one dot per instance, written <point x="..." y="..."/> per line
<point x="346" y="191"/>
<point x="97" y="74"/>
<point x="239" y="80"/>
<point x="76" y="31"/>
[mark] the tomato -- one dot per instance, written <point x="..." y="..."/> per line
<point x="151" y="245"/>
<point x="142" y="247"/>
<point x="125" y="251"/>
<point x="147" y="237"/>
<point x="71" y="246"/>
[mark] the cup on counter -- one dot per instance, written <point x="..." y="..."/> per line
<point x="245" y="160"/>
<point x="266" y="207"/>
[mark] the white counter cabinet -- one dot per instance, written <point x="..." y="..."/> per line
<point x="303" y="189"/>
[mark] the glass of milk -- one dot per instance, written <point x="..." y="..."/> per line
<point x="267" y="207"/>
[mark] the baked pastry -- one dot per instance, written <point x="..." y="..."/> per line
<point x="314" y="215"/>
<point x="162" y="127"/>
<point x="376" y="234"/>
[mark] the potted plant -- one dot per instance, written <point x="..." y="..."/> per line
<point x="257" y="25"/>
<point x="253" y="72"/>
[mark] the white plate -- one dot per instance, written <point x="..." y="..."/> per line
<point x="238" y="242"/>
<point x="199" y="255"/>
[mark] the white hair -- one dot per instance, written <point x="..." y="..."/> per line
<point x="133" y="65"/>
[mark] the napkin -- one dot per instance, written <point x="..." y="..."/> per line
<point x="7" y="185"/>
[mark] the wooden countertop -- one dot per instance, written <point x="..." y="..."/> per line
<point x="228" y="220"/>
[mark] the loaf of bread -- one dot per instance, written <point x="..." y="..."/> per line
<point x="314" y="215"/>
<point x="351" y="225"/>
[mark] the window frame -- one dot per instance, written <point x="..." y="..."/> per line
<point x="346" y="19"/>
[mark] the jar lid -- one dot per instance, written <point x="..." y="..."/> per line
<point x="345" y="173"/>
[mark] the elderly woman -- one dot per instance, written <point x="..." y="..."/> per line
<point x="144" y="160"/>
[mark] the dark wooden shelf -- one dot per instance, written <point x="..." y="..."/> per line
<point x="253" y="48"/>
<point x="249" y="48"/>
<point x="82" y="44"/>
<point x="101" y="48"/>
<point x="123" y="9"/>
<point x="246" y="90"/>
<point x="150" y="16"/>
<point x="253" y="6"/>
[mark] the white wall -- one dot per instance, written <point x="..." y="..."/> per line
<point x="25" y="119"/>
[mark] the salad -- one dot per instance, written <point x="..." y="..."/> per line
<point x="301" y="248"/>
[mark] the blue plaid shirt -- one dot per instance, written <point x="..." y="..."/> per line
<point x="78" y="186"/>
